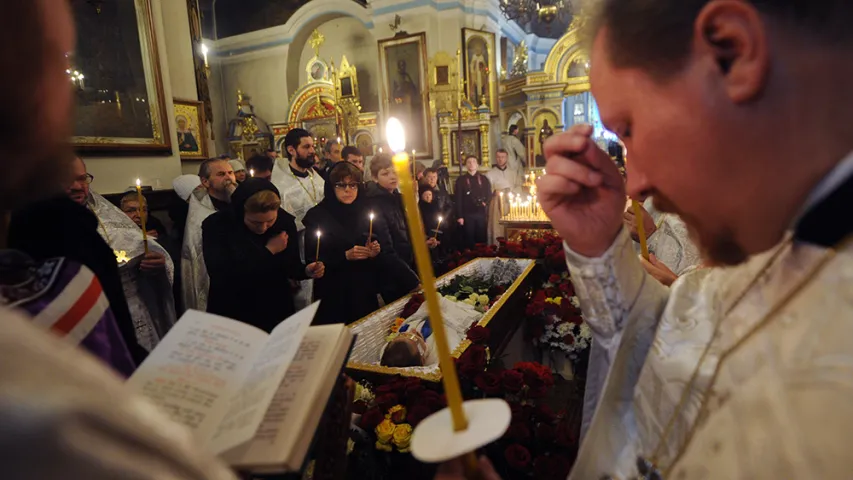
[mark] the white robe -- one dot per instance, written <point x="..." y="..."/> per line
<point x="196" y="282"/>
<point x="671" y="242"/>
<point x="150" y="319"/>
<point x="517" y="154"/>
<point x="780" y="406"/>
<point x="298" y="195"/>
<point x="505" y="181"/>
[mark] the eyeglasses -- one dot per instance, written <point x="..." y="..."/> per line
<point x="88" y="178"/>
<point x="346" y="186"/>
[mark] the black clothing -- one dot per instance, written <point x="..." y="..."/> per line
<point x="247" y="282"/>
<point x="430" y="213"/>
<point x="218" y="204"/>
<point x="389" y="206"/>
<point x="824" y="224"/>
<point x="473" y="193"/>
<point x="178" y="210"/>
<point x="348" y="289"/>
<point x="298" y="173"/>
<point x="59" y="227"/>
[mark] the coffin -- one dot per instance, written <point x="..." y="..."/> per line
<point x="503" y="319"/>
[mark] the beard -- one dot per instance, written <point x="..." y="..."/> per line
<point x="224" y="191"/>
<point x="718" y="248"/>
<point x="304" y="162"/>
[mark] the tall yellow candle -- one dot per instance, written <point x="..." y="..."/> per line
<point x="370" y="229"/>
<point x="317" y="255"/>
<point x="141" y="212"/>
<point x="501" y="204"/>
<point x="396" y="137"/>
<point x="641" y="229"/>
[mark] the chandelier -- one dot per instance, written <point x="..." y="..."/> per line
<point x="524" y="12"/>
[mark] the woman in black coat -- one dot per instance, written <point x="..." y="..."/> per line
<point x="356" y="270"/>
<point x="251" y="251"/>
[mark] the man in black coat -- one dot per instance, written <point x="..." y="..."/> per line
<point x="473" y="192"/>
<point x="386" y="201"/>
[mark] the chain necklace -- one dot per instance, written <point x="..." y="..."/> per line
<point x="121" y="255"/>
<point x="648" y="468"/>
<point x="310" y="179"/>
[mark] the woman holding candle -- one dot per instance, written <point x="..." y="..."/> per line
<point x="357" y="262"/>
<point x="251" y="251"/>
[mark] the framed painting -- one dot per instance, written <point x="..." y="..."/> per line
<point x="192" y="131"/>
<point x="405" y="89"/>
<point x="115" y="72"/>
<point x="478" y="58"/>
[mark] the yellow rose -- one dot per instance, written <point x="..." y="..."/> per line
<point x="558" y="300"/>
<point x="385" y="430"/>
<point x="384" y="447"/>
<point x="402" y="437"/>
<point x="397" y="414"/>
<point x="483" y="300"/>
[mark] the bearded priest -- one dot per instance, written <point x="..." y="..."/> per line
<point x="744" y="370"/>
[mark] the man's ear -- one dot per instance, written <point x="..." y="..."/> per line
<point x="734" y="34"/>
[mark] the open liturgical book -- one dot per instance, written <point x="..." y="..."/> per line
<point x="255" y="399"/>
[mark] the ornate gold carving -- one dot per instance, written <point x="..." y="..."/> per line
<point x="519" y="61"/>
<point x="317" y="39"/>
<point x="484" y="144"/>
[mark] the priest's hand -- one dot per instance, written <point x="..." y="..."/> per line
<point x="153" y="261"/>
<point x="358" y="252"/>
<point x="432" y="242"/>
<point x="455" y="470"/>
<point x="152" y="234"/>
<point x="630" y="221"/>
<point x="278" y="243"/>
<point x="374" y="248"/>
<point x="657" y="269"/>
<point x="315" y="270"/>
<point x="582" y="192"/>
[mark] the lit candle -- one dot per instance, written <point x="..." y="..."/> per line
<point x="501" y="203"/>
<point x="339" y="140"/>
<point x="141" y="214"/>
<point x="251" y="172"/>
<point x="437" y="227"/>
<point x="396" y="137"/>
<point x="204" y="51"/>
<point x="641" y="230"/>
<point x="370" y="229"/>
<point x="317" y="255"/>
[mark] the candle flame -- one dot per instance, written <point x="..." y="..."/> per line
<point x="396" y="135"/>
<point x="138" y="183"/>
<point x="318" y="233"/>
<point x="339" y="140"/>
<point x="251" y="172"/>
<point x="371" y="215"/>
<point x="204" y="49"/>
<point x="440" y="219"/>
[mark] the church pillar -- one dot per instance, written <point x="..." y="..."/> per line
<point x="445" y="149"/>
<point x="484" y="144"/>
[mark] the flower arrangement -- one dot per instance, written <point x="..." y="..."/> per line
<point x="554" y="319"/>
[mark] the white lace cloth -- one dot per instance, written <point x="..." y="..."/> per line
<point x="671" y="243"/>
<point x="780" y="406"/>
<point x="122" y="234"/>
<point x="195" y="281"/>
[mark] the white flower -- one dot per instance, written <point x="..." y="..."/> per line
<point x="575" y="302"/>
<point x="585" y="331"/>
<point x="564" y="328"/>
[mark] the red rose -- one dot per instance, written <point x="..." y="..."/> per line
<point x="488" y="383"/>
<point x="555" y="279"/>
<point x="543" y="413"/>
<point x="567" y="433"/>
<point x="385" y="388"/>
<point x="370" y="419"/>
<point x="517" y="456"/>
<point x="560" y="466"/>
<point x="512" y="381"/>
<point x="546" y="433"/>
<point x="568" y="289"/>
<point x="359" y="407"/>
<point x="540" y="391"/>
<point x="478" y="334"/>
<point x="417" y="413"/>
<point x="429" y="399"/>
<point x="473" y="361"/>
<point x="387" y="401"/>
<point x="413" y="391"/>
<point x="518" y="432"/>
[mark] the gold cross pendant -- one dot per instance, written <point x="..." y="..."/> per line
<point x="121" y="256"/>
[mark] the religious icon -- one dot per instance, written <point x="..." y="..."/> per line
<point x="364" y="142"/>
<point x="318" y="70"/>
<point x="479" y="61"/>
<point x="189" y="122"/>
<point x="405" y="89"/>
<point x="346" y="87"/>
<point x="442" y="75"/>
<point x="115" y="69"/>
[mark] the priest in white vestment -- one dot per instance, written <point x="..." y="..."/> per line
<point x="504" y="181"/>
<point x="301" y="190"/>
<point x="517" y="153"/>
<point x="743" y="370"/>
<point x="218" y="182"/>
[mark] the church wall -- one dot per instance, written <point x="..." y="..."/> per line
<point x="115" y="174"/>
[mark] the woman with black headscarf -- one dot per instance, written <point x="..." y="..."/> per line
<point x="251" y="251"/>
<point x="356" y="269"/>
